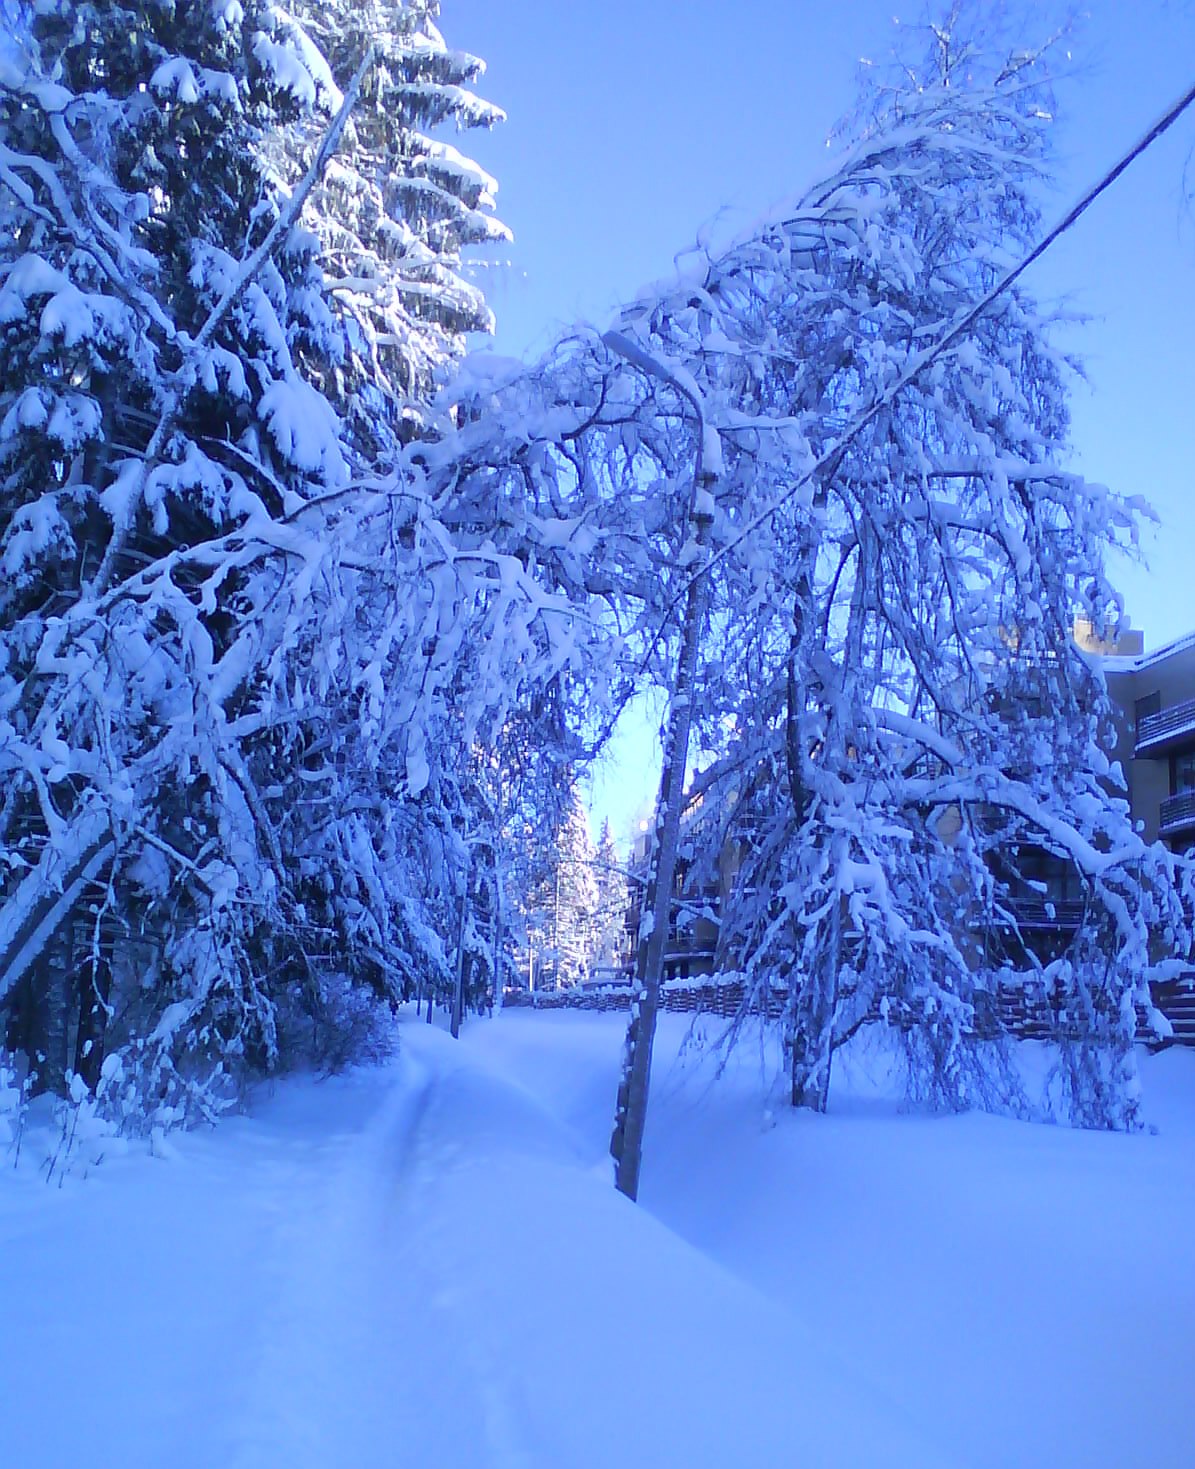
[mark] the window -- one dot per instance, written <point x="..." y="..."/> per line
<point x="1182" y="773"/>
<point x="1151" y="704"/>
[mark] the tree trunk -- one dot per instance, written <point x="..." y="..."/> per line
<point x="626" y="1145"/>
<point x="811" y="1039"/>
<point x="458" y="992"/>
<point x="30" y="916"/>
<point x="498" y="936"/>
<point x="95" y="988"/>
<point x="45" y="1007"/>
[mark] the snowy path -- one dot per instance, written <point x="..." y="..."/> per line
<point x="424" y="1265"/>
<point x="409" y="1266"/>
<point x="1028" y="1291"/>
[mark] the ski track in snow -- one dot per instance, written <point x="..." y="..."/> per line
<point x="465" y="1292"/>
<point x="369" y="1336"/>
<point x="324" y="1387"/>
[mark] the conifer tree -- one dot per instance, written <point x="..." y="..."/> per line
<point x="251" y="644"/>
<point x="164" y="437"/>
<point x="562" y="924"/>
<point x="399" y="207"/>
<point x="227" y="765"/>
<point x="612" y="900"/>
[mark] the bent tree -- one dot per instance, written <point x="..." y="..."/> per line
<point x="897" y="725"/>
<point x="902" y="723"/>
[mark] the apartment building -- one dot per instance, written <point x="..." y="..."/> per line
<point x="1154" y="698"/>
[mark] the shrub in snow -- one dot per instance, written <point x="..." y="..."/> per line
<point x="349" y="1024"/>
<point x="12" y="1104"/>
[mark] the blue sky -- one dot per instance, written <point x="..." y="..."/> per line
<point x="635" y="123"/>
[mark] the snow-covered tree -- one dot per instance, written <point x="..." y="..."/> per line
<point x="399" y="206"/>
<point x="241" y="666"/>
<point x="165" y="444"/>
<point x="613" y="899"/>
<point x="894" y="555"/>
<point x="892" y="683"/>
<point x="563" y="906"/>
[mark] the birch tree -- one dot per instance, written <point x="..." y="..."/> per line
<point x="894" y="555"/>
<point x="893" y="686"/>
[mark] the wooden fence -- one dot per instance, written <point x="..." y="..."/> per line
<point x="1020" y="1009"/>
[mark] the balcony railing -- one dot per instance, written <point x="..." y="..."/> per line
<point x="1166" y="727"/>
<point x="1178" y="812"/>
<point x="1055" y="914"/>
<point x="1059" y="913"/>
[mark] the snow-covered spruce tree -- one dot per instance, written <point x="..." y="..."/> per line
<point x="164" y="443"/>
<point x="562" y="921"/>
<point x="612" y="899"/>
<point x="398" y="207"/>
<point x="393" y="214"/>
<point x="181" y="633"/>
<point x="890" y="678"/>
<point x="254" y="687"/>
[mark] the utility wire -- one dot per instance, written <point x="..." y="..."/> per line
<point x="931" y="354"/>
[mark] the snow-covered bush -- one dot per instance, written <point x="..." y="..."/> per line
<point x="347" y="1024"/>
<point x="12" y="1105"/>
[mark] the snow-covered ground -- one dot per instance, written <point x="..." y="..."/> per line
<point x="424" y="1263"/>
<point x="1027" y="1293"/>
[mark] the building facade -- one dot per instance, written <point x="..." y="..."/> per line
<point x="1154" y="698"/>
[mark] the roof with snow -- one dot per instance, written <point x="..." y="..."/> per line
<point x="1140" y="661"/>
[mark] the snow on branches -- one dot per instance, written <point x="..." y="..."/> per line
<point x="235" y="710"/>
<point x="296" y="626"/>
<point x="905" y="738"/>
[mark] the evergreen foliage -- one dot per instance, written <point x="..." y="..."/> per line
<point x="563" y="916"/>
<point x="613" y="900"/>
<point x="398" y="206"/>
<point x="219" y="800"/>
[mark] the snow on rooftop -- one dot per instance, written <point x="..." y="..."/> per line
<point x="1112" y="663"/>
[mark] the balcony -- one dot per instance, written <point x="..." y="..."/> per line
<point x="1177" y="814"/>
<point x="1169" y="728"/>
